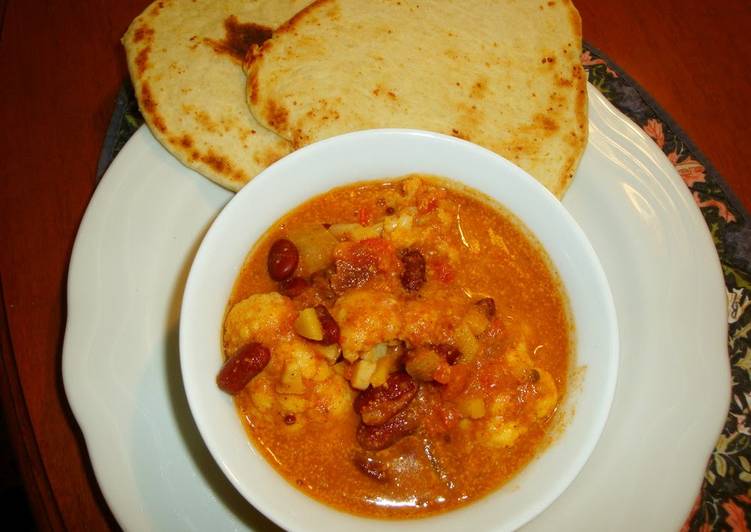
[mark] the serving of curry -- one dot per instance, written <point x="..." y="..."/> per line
<point x="397" y="348"/>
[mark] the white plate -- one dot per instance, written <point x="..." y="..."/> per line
<point x="120" y="357"/>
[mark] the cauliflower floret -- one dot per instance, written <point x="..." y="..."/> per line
<point x="547" y="394"/>
<point x="262" y="392"/>
<point x="299" y="361"/>
<point x="366" y="318"/>
<point x="430" y="319"/>
<point x="332" y="397"/>
<point x="502" y="433"/>
<point x="519" y="362"/>
<point x="524" y="370"/>
<point x="259" y="318"/>
<point x="308" y="385"/>
<point x="399" y="228"/>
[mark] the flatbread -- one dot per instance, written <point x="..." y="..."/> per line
<point x="185" y="60"/>
<point x="505" y="74"/>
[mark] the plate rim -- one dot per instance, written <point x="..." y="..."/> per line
<point x="75" y="399"/>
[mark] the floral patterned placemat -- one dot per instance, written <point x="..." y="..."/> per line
<point x="724" y="502"/>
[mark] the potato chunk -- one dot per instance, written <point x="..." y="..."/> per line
<point x="385" y="366"/>
<point x="315" y="245"/>
<point x="362" y="373"/>
<point x="308" y="325"/>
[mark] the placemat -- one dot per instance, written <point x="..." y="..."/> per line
<point x="724" y="501"/>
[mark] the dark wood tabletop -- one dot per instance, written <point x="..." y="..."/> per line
<point x="61" y="66"/>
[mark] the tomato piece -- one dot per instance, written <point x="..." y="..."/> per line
<point x="443" y="270"/>
<point x="458" y="381"/>
<point x="364" y="216"/>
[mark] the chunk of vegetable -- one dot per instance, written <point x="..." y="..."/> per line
<point x="423" y="362"/>
<point x="363" y="371"/>
<point x="547" y="394"/>
<point x="308" y="325"/>
<point x="466" y="342"/>
<point x="476" y="320"/>
<point x="350" y="356"/>
<point x="342" y="369"/>
<point x="519" y="362"/>
<point x="377" y="352"/>
<point x="291" y="381"/>
<point x="259" y="318"/>
<point x="292" y="403"/>
<point x="399" y="228"/>
<point x="329" y="352"/>
<point x="458" y="381"/>
<point x="503" y="433"/>
<point x="472" y="407"/>
<point x="385" y="366"/>
<point x="316" y="247"/>
<point x="356" y="232"/>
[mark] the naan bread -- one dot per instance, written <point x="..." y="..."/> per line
<point x="185" y="59"/>
<point x="505" y="74"/>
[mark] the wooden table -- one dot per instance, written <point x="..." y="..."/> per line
<point x="62" y="65"/>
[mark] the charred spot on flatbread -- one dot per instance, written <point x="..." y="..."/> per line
<point x="501" y="73"/>
<point x="185" y="60"/>
<point x="239" y="37"/>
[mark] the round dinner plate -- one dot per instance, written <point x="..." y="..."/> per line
<point x="121" y="364"/>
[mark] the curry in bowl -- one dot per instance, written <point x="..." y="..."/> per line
<point x="398" y="348"/>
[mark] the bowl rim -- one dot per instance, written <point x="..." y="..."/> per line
<point x="276" y="173"/>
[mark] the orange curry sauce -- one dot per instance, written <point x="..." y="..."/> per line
<point x="482" y="384"/>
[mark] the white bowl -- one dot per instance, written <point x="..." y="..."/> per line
<point x="369" y="155"/>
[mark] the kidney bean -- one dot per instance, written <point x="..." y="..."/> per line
<point x="241" y="367"/>
<point x="293" y="287"/>
<point x="371" y="467"/>
<point x="377" y="405"/>
<point x="375" y="438"/>
<point x="449" y="352"/>
<point x="328" y="324"/>
<point x="413" y="276"/>
<point x="282" y="260"/>
<point x="487" y="305"/>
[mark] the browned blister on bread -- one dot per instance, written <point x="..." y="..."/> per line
<point x="185" y="60"/>
<point x="501" y="73"/>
